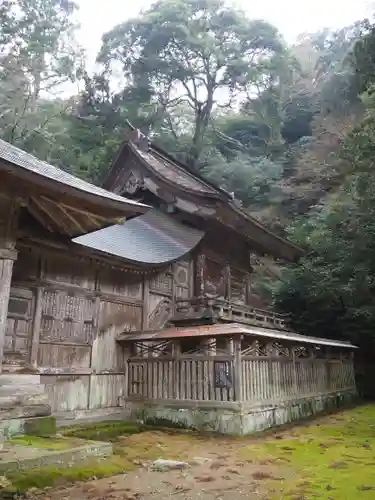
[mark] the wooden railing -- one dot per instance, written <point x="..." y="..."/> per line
<point x="256" y="379"/>
<point x="185" y="378"/>
<point x="199" y="307"/>
<point x="267" y="380"/>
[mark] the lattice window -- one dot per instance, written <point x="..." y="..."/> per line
<point x="194" y="345"/>
<point x="255" y="348"/>
<point x="301" y="352"/>
<point x="281" y="350"/>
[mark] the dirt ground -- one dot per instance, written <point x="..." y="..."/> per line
<point x="331" y="458"/>
<point x="216" y="470"/>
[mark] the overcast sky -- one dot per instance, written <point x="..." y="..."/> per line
<point x="291" y="17"/>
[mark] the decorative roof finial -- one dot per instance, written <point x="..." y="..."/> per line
<point x="140" y="140"/>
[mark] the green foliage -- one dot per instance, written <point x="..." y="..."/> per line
<point x="187" y="51"/>
<point x="252" y="179"/>
<point x="38" y="55"/>
<point x="331" y="291"/>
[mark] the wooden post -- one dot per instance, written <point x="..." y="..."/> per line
<point x="9" y="209"/>
<point x="146" y="295"/>
<point x="36" y="327"/>
<point x="200" y="274"/>
<point x="176" y="353"/>
<point x="295" y="386"/>
<point x="237" y="369"/>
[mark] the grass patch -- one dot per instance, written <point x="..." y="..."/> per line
<point x="331" y="459"/>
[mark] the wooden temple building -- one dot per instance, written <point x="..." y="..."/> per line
<point x="135" y="300"/>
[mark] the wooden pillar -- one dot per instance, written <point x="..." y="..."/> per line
<point x="237" y="368"/>
<point x="200" y="274"/>
<point x="9" y="209"/>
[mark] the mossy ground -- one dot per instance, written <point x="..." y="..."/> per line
<point x="333" y="458"/>
<point x="330" y="458"/>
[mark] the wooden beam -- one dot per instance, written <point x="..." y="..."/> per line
<point x="70" y="217"/>
<point x="58" y="223"/>
<point x="35" y="212"/>
<point x="85" y="212"/>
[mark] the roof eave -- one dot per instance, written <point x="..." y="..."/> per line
<point x="123" y="208"/>
<point x="287" y="250"/>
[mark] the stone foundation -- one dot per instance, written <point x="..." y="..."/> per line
<point x="237" y="419"/>
<point x="22" y="397"/>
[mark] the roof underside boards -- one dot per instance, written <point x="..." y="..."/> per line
<point x="38" y="170"/>
<point x="153" y="238"/>
<point x="229" y="329"/>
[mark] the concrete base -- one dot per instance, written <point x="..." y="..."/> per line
<point x="238" y="419"/>
<point x="17" y="457"/>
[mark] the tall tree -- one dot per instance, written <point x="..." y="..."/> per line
<point x="202" y="53"/>
<point x="38" y="55"/>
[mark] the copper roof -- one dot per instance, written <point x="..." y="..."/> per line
<point x="228" y="329"/>
<point x="152" y="238"/>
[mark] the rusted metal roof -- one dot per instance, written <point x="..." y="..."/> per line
<point x="14" y="156"/>
<point x="152" y="238"/>
<point x="229" y="329"/>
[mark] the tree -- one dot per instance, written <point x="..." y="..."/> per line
<point x="38" y="55"/>
<point x="333" y="287"/>
<point x="201" y="53"/>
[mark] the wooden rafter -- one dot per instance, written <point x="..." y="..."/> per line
<point x="74" y="221"/>
<point x="58" y="223"/>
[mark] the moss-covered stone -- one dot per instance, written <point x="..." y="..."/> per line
<point x="46" y="443"/>
<point x="21" y="481"/>
<point x="40" y="426"/>
<point x="103" y="431"/>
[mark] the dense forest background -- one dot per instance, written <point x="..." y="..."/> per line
<point x="290" y="130"/>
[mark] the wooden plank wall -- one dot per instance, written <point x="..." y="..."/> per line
<point x="60" y="321"/>
<point x="66" y="302"/>
<point x="224" y="276"/>
<point x="266" y="380"/>
<point x="262" y="380"/>
<point x="188" y="378"/>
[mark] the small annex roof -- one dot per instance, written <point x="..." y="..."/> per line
<point x="29" y="164"/>
<point x="228" y="329"/>
<point x="153" y="238"/>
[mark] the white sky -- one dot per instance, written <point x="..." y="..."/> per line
<point x="291" y="17"/>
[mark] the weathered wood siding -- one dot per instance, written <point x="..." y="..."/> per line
<point x="59" y="321"/>
<point x="64" y="317"/>
<point x="223" y="270"/>
<point x="257" y="381"/>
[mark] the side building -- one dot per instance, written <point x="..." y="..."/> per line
<point x="89" y="276"/>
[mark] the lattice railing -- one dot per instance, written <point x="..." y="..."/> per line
<point x="204" y="306"/>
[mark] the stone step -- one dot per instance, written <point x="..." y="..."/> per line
<point x="19" y="379"/>
<point x="8" y="390"/>
<point x="18" y="457"/>
<point x="13" y="400"/>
